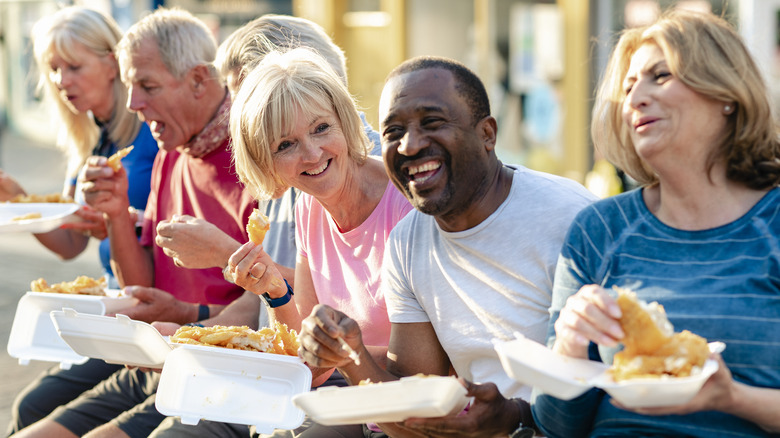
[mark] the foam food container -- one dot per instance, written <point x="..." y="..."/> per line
<point x="52" y="216"/>
<point x="645" y="393"/>
<point x="118" y="339"/>
<point x="533" y="364"/>
<point x="565" y="378"/>
<point x="233" y="386"/>
<point x="385" y="402"/>
<point x="33" y="336"/>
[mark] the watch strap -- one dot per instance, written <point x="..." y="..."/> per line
<point x="203" y="312"/>
<point x="522" y="432"/>
<point x="281" y="301"/>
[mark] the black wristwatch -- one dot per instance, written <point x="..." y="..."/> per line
<point x="522" y="432"/>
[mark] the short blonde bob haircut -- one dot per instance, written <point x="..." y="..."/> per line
<point x="264" y="109"/>
<point x="59" y="33"/>
<point x="709" y="57"/>
<point x="183" y="40"/>
<point x="245" y="47"/>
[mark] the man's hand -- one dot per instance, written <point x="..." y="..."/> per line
<point x="194" y="243"/>
<point x="489" y="415"/>
<point x="157" y="305"/>
<point x="104" y="189"/>
<point x="320" y="334"/>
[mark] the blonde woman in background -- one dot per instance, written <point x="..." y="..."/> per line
<point x="74" y="51"/>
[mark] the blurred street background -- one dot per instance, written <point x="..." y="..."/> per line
<point x="39" y="167"/>
<point x="539" y="59"/>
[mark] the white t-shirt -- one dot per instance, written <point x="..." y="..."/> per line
<point x="486" y="282"/>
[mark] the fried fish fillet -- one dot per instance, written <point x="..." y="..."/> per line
<point x="651" y="348"/>
<point x="257" y="226"/>
<point x="645" y="325"/>
<point x="683" y="355"/>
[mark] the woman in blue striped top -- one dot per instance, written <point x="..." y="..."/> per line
<point x="683" y="110"/>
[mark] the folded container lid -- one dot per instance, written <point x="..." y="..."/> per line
<point x="385" y="402"/>
<point x="33" y="335"/>
<point x="116" y="339"/>
<point x="232" y="386"/>
<point x="565" y="377"/>
<point x="532" y="363"/>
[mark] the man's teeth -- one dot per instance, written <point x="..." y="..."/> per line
<point x="425" y="167"/>
<point x="157" y="127"/>
<point x="318" y="170"/>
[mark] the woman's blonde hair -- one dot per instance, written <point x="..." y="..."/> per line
<point x="266" y="106"/>
<point x="59" y="33"/>
<point x="245" y="47"/>
<point x="707" y="55"/>
<point x="183" y="40"/>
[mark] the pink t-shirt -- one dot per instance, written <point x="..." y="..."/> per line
<point x="205" y="187"/>
<point x="346" y="267"/>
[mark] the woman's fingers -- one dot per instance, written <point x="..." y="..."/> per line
<point x="590" y="315"/>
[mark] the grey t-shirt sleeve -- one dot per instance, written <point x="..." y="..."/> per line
<point x="401" y="302"/>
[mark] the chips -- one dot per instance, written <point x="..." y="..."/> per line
<point x="50" y="198"/>
<point x="115" y="161"/>
<point x="82" y="285"/>
<point x="277" y="340"/>
<point x="28" y="216"/>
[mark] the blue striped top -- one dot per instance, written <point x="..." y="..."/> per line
<point x="722" y="283"/>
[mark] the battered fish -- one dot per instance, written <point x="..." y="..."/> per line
<point x="651" y="348"/>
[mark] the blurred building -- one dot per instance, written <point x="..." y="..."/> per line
<point x="540" y="58"/>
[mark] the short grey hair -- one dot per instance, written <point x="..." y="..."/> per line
<point x="245" y="47"/>
<point x="183" y="40"/>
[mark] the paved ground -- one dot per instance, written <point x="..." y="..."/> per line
<point x="40" y="169"/>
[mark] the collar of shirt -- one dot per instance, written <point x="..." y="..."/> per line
<point x="213" y="134"/>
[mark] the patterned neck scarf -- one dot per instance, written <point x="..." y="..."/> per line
<point x="213" y="134"/>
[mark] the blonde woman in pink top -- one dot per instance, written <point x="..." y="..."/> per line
<point x="294" y="123"/>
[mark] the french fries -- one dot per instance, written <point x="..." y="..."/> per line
<point x="115" y="161"/>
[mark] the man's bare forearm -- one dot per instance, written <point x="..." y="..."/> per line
<point x="131" y="262"/>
